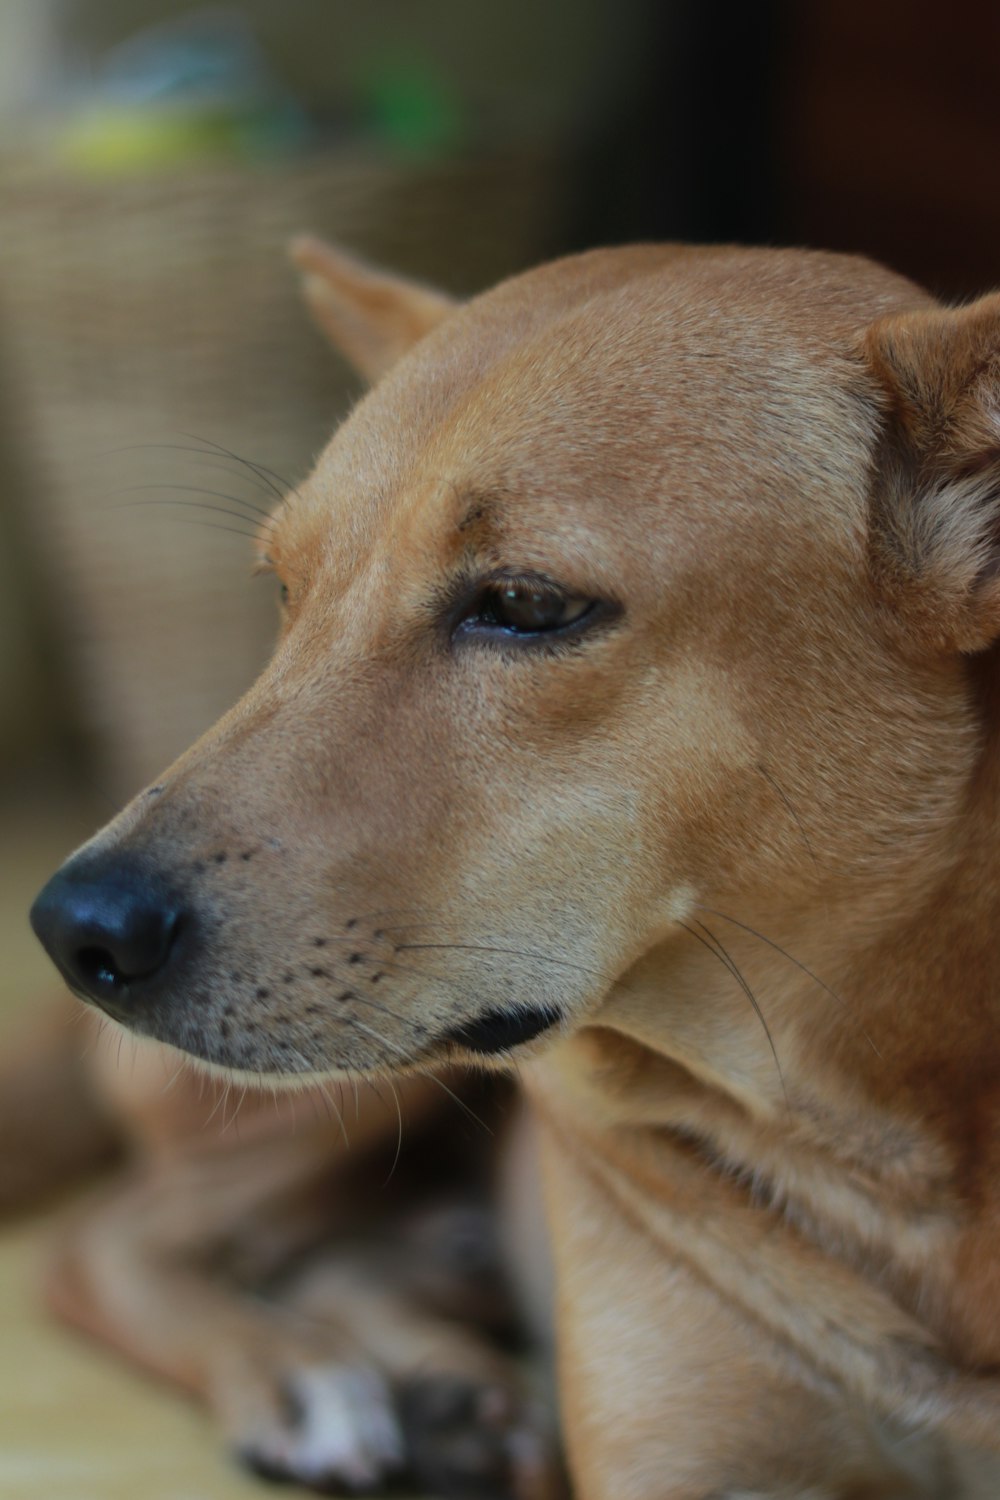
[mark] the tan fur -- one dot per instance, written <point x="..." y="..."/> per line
<point x="743" y="834"/>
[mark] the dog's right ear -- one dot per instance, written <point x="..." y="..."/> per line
<point x="371" y="316"/>
<point x="935" y="522"/>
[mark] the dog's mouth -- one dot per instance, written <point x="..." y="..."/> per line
<point x="493" y="1035"/>
<point x="127" y="943"/>
<point x="499" y="1031"/>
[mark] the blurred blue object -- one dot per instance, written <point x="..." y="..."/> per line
<point x="194" y="86"/>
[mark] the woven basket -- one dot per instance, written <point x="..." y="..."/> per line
<point x="142" y="312"/>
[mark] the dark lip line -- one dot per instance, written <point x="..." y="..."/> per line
<point x="511" y="1029"/>
<point x="448" y="1049"/>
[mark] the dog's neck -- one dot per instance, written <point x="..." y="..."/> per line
<point x="841" y="1055"/>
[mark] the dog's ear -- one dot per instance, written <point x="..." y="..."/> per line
<point x="372" y="317"/>
<point x="936" y="498"/>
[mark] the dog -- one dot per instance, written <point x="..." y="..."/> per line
<point x="634" y="721"/>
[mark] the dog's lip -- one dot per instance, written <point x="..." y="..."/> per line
<point x="499" y="1030"/>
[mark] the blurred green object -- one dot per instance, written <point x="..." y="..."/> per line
<point x="412" y="106"/>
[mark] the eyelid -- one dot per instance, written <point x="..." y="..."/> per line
<point x="537" y="583"/>
<point x="468" y="587"/>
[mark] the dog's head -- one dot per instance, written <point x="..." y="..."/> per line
<point x="637" y="585"/>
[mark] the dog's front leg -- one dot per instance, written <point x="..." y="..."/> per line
<point x="667" y="1393"/>
<point x="137" y="1272"/>
<point x="163" y="1265"/>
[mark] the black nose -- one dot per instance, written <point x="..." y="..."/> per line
<point x="109" y="931"/>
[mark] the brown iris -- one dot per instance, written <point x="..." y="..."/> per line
<point x="529" y="608"/>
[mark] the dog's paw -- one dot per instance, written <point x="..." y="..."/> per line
<point x="469" y="1441"/>
<point x="342" y="1434"/>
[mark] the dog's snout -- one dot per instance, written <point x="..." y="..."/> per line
<point x="109" y="932"/>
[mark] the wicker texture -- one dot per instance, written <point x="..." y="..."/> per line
<point x="137" y="312"/>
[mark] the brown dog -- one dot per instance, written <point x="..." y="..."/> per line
<point x="634" y="718"/>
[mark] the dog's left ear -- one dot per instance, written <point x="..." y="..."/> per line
<point x="936" y="499"/>
<point x="371" y="316"/>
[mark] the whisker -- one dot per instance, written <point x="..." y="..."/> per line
<point x="332" y="1104"/>
<point x="775" y="786"/>
<point x="440" y="1083"/>
<point x="210" y="460"/>
<point x="399" y="1135"/>
<point x="792" y="960"/>
<point x="198" y="489"/>
<point x="399" y="1129"/>
<point x="318" y="1095"/>
<point x="256" y="531"/>
<point x="80" y="1013"/>
<point x="219" y="1103"/>
<point x="714" y="946"/>
<point x="248" y="536"/>
<point x="265" y="473"/>
<point x="456" y="1099"/>
<point x="234" y="1122"/>
<point x="391" y="963"/>
<point x="535" y="954"/>
<point x="319" y="1099"/>
<point x="527" y="953"/>
<point x="172" y="1080"/>
<point x="381" y="1007"/>
<point x="433" y="1077"/>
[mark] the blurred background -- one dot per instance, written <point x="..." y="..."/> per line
<point x="156" y="156"/>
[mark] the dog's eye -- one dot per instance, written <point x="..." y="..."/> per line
<point x="524" y="607"/>
<point x="529" y="609"/>
<point x="283" y="592"/>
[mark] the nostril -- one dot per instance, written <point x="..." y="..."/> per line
<point x="97" y="966"/>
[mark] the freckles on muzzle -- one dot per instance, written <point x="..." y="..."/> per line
<point x="186" y="955"/>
